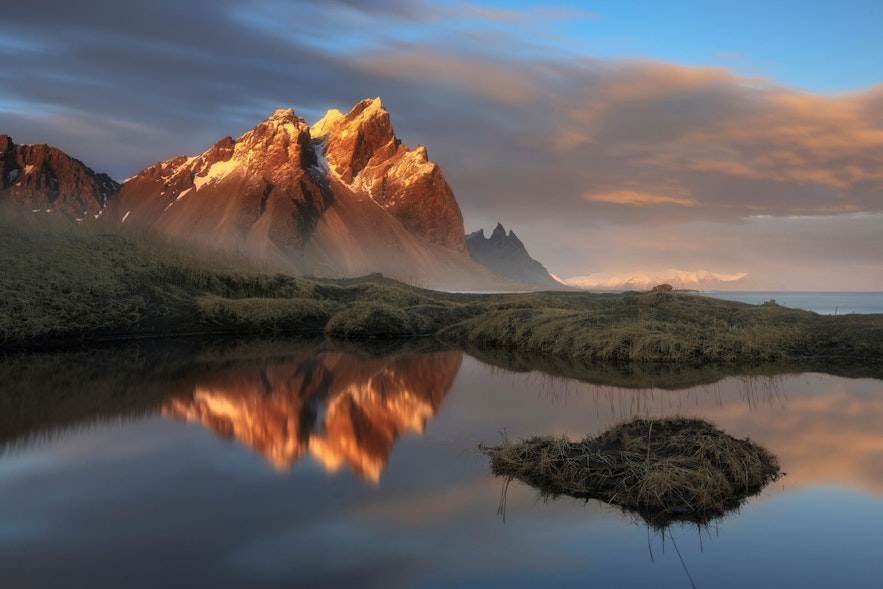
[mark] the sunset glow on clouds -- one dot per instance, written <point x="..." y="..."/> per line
<point x="582" y="127"/>
<point x="628" y="197"/>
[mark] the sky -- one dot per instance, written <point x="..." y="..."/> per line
<point x="612" y="137"/>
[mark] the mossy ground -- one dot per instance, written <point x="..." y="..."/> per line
<point x="69" y="284"/>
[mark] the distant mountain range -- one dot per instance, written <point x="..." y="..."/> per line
<point x="341" y="198"/>
<point x="679" y="279"/>
<point x="506" y="255"/>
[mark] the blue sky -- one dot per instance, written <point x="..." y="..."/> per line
<point x="615" y="138"/>
<point x="820" y="46"/>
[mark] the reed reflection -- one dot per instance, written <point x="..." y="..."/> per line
<point x="341" y="409"/>
<point x="824" y="429"/>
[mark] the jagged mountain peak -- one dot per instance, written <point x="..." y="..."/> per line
<point x="506" y="255"/>
<point x="341" y="199"/>
<point x="283" y="121"/>
<point x="282" y="138"/>
<point x="323" y="126"/>
<point x="283" y="114"/>
<point x="368" y="108"/>
<point x="364" y="153"/>
<point x="502" y="238"/>
<point x="42" y="178"/>
<point x="353" y="140"/>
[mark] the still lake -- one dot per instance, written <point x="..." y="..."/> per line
<point x="281" y="464"/>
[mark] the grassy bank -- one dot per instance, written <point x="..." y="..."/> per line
<point x="64" y="285"/>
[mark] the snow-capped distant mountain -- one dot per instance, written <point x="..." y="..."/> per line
<point x="679" y="279"/>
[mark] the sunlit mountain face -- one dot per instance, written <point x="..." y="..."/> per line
<point x="344" y="197"/>
<point x="340" y="409"/>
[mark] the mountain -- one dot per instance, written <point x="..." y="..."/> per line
<point x="337" y="408"/>
<point x="343" y="198"/>
<point x="679" y="279"/>
<point x="43" y="178"/>
<point x="507" y="256"/>
<point x="364" y="154"/>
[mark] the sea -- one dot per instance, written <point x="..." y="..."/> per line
<point x="823" y="303"/>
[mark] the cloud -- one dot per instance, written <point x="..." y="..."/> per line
<point x="501" y="85"/>
<point x="639" y="199"/>
<point x="825" y="438"/>
<point x="529" y="130"/>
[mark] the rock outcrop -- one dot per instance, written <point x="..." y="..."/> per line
<point x="45" y="179"/>
<point x="506" y="255"/>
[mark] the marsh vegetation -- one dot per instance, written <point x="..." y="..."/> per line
<point x="661" y="470"/>
<point x="69" y="285"/>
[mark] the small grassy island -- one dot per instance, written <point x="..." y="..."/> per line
<point x="661" y="470"/>
<point x="75" y="285"/>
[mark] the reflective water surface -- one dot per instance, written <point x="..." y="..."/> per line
<point x="278" y="464"/>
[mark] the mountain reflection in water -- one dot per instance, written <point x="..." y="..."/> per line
<point x="101" y="481"/>
<point x="336" y="407"/>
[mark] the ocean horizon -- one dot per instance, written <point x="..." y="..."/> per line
<point x="821" y="302"/>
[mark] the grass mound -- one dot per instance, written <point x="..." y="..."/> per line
<point x="663" y="470"/>
<point x="264" y="314"/>
<point x="368" y="319"/>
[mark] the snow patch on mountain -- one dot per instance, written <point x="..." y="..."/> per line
<point x="216" y="172"/>
<point x="679" y="279"/>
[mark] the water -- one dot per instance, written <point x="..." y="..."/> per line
<point x="824" y="303"/>
<point x="278" y="465"/>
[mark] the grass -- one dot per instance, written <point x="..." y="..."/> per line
<point x="62" y="285"/>
<point x="662" y="470"/>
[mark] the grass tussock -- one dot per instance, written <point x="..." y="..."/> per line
<point x="662" y="470"/>
<point x="265" y="314"/>
<point x="369" y="319"/>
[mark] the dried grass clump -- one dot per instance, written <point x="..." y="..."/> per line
<point x="663" y="470"/>
<point x="364" y="319"/>
<point x="264" y="314"/>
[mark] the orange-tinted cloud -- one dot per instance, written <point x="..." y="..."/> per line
<point x="637" y="199"/>
<point x="524" y="126"/>
<point x="825" y="439"/>
<point x="502" y="84"/>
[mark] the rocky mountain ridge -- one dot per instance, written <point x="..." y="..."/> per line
<point x="506" y="255"/>
<point x="342" y="198"/>
<point x="43" y="178"/>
